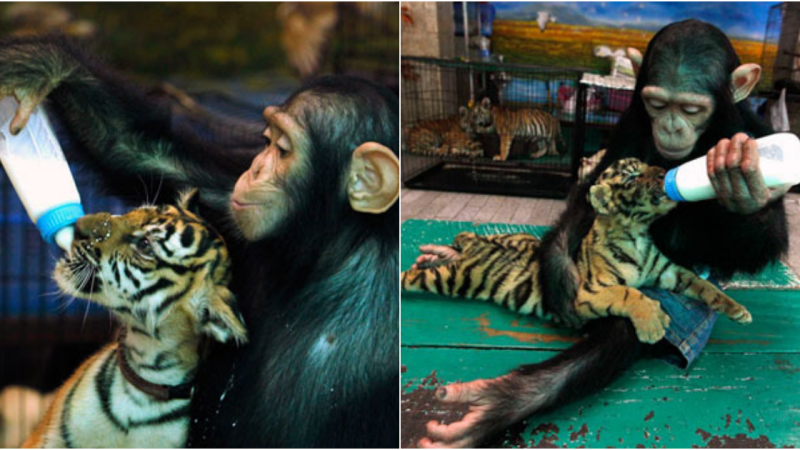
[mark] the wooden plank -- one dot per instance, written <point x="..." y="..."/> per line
<point x="488" y="211"/>
<point x="418" y="206"/>
<point x="742" y="401"/>
<point x="508" y="206"/>
<point x="479" y="199"/>
<point x="468" y="213"/>
<point x="453" y="207"/>
<point x="409" y="195"/>
<point x="436" y="206"/>
<point x="429" y="320"/>
<point x="524" y="210"/>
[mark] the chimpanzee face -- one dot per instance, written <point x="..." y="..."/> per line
<point x="266" y="198"/>
<point x="679" y="107"/>
<point x="260" y="202"/>
<point x="678" y="118"/>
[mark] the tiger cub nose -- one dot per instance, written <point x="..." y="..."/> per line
<point x="96" y="227"/>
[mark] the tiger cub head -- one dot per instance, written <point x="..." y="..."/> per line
<point x="155" y="267"/>
<point x="631" y="192"/>
<point x="479" y="117"/>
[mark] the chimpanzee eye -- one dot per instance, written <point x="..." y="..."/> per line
<point x="657" y="104"/>
<point x="267" y="141"/>
<point x="690" y="109"/>
<point x="284" y="146"/>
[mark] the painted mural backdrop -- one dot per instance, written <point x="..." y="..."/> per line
<point x="573" y="29"/>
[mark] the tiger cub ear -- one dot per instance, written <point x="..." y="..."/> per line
<point x="221" y="319"/>
<point x="190" y="200"/>
<point x="601" y="200"/>
<point x="486" y="102"/>
<point x="463" y="111"/>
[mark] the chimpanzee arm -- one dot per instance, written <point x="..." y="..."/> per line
<point x="706" y="233"/>
<point x="122" y="125"/>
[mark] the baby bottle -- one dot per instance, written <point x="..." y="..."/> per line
<point x="36" y="166"/>
<point x="779" y="161"/>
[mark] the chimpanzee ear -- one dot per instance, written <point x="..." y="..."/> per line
<point x="486" y="103"/>
<point x="190" y="200"/>
<point x="600" y="198"/>
<point x="636" y="59"/>
<point x="220" y="318"/>
<point x="374" y="180"/>
<point x="743" y="79"/>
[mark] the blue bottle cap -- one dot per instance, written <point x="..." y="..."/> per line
<point x="57" y="218"/>
<point x="671" y="188"/>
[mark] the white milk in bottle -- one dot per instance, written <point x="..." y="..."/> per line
<point x="36" y="166"/>
<point x="779" y="161"/>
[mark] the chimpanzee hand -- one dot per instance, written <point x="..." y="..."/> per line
<point x="29" y="70"/>
<point x="736" y="177"/>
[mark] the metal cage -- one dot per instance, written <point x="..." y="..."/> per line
<point x="434" y="90"/>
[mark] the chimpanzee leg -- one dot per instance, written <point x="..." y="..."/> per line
<point x="496" y="404"/>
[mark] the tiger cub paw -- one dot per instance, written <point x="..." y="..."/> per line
<point x="650" y="322"/>
<point x="737" y="313"/>
<point x="729" y="307"/>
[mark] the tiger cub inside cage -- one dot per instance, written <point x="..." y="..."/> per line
<point x="451" y="136"/>
<point x="163" y="272"/>
<point x="532" y="125"/>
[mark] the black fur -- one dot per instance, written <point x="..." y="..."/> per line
<point x="320" y="298"/>
<point x="698" y="233"/>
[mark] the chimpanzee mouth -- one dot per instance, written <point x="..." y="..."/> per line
<point x="674" y="153"/>
<point x="242" y="205"/>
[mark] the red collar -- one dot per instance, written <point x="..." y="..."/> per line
<point x="161" y="392"/>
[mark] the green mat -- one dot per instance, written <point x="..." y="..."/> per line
<point x="419" y="232"/>
<point x="741" y="392"/>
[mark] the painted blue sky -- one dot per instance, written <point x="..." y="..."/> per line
<point x="736" y="19"/>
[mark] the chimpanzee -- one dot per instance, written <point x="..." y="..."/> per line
<point x="312" y="223"/>
<point x="688" y="99"/>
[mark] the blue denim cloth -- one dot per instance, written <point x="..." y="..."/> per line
<point x="691" y="322"/>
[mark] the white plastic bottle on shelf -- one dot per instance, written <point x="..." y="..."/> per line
<point x="779" y="161"/>
<point x="36" y="166"/>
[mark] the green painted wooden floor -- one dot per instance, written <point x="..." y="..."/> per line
<point x="744" y="391"/>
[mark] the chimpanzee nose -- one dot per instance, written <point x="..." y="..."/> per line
<point x="94" y="226"/>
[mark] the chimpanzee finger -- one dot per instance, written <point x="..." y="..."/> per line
<point x="26" y="106"/>
<point x="740" y="192"/>
<point x="462" y="392"/>
<point x="752" y="173"/>
<point x="458" y="434"/>
<point x="428" y="443"/>
<point x="717" y="172"/>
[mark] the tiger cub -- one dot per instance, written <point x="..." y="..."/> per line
<point x="443" y="137"/>
<point x="162" y="271"/>
<point x="532" y="125"/>
<point x="616" y="257"/>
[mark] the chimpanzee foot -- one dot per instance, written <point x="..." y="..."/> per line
<point x="435" y="256"/>
<point x="473" y="428"/>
